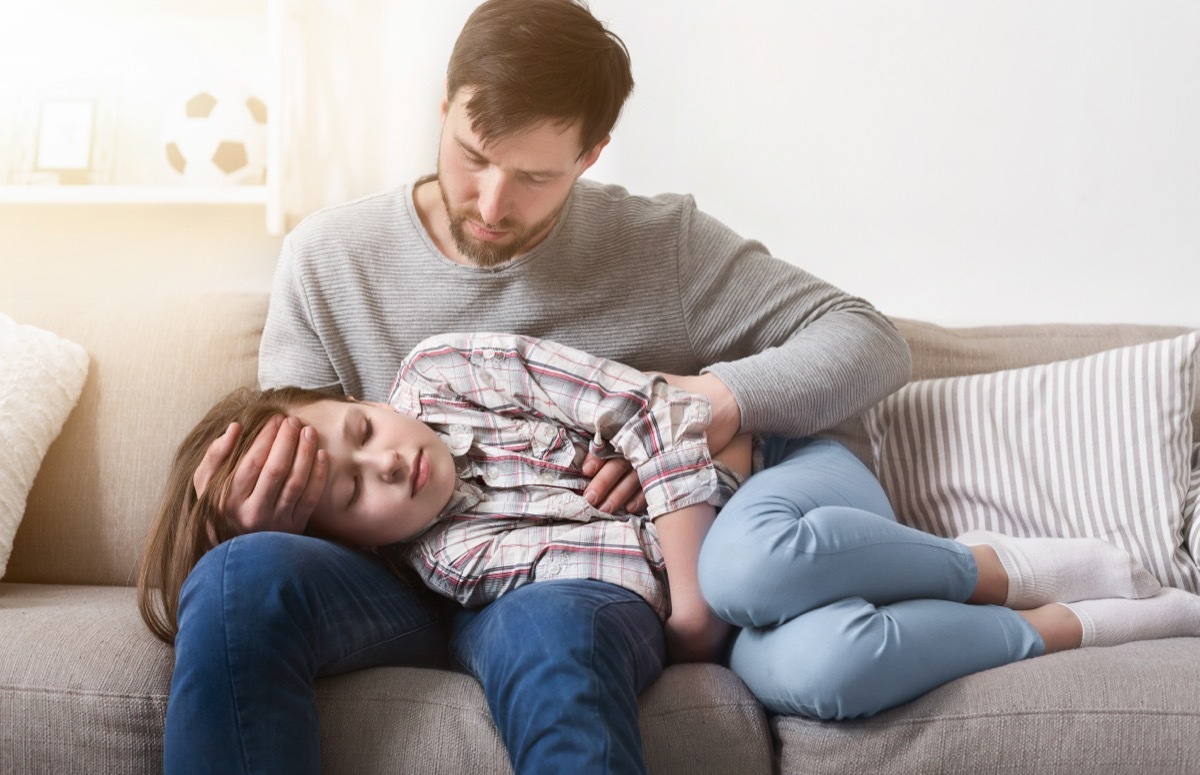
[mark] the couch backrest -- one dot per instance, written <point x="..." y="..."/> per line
<point x="158" y="364"/>
<point x="938" y="351"/>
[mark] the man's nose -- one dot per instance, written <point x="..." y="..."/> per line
<point x="493" y="198"/>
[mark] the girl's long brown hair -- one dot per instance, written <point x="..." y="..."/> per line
<point x="180" y="533"/>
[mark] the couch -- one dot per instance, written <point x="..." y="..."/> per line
<point x="83" y="684"/>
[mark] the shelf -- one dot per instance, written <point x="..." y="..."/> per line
<point x="134" y="195"/>
<point x="103" y="94"/>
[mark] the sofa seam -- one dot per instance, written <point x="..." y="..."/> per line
<point x="876" y="723"/>
<point x="78" y="692"/>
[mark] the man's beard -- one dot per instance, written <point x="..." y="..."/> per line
<point x="486" y="254"/>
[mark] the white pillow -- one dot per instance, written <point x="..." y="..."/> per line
<point x="41" y="377"/>
<point x="1099" y="446"/>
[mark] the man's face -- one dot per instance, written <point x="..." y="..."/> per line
<point x="504" y="199"/>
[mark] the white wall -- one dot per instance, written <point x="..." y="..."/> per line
<point x="966" y="162"/>
<point x="961" y="162"/>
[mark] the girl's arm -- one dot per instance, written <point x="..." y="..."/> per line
<point x="693" y="631"/>
<point x="660" y="429"/>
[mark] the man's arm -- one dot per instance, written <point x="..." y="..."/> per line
<point x="799" y="354"/>
<point x="277" y="483"/>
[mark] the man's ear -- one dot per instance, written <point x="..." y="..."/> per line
<point x="594" y="154"/>
<point x="444" y="109"/>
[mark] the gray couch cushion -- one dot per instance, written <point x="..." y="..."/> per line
<point x="83" y="689"/>
<point x="1131" y="708"/>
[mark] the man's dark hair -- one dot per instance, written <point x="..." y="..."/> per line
<point x="526" y="61"/>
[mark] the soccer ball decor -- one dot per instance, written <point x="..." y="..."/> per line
<point x="216" y="137"/>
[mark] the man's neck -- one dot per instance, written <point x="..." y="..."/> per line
<point x="427" y="198"/>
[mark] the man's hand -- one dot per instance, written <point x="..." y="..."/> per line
<point x="278" y="482"/>
<point x="726" y="414"/>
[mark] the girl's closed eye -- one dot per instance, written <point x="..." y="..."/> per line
<point x="362" y="440"/>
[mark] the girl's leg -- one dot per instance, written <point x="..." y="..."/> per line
<point x="852" y="659"/>
<point x="814" y="528"/>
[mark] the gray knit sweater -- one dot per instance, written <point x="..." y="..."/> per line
<point x="652" y="282"/>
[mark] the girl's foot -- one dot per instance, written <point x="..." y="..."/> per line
<point x="1064" y="570"/>
<point x="1172" y="613"/>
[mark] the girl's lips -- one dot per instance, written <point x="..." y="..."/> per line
<point x="420" y="473"/>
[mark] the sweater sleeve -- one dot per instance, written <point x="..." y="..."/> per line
<point x="658" y="428"/>
<point x="799" y="354"/>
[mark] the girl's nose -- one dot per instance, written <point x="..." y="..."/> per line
<point x="390" y="466"/>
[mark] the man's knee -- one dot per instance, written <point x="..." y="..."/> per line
<point x="565" y="612"/>
<point x="257" y="571"/>
<point x="573" y="625"/>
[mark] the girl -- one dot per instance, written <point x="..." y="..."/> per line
<point x="470" y="476"/>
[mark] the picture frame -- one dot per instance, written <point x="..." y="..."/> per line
<point x="65" y="136"/>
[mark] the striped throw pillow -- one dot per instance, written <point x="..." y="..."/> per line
<point x="1099" y="446"/>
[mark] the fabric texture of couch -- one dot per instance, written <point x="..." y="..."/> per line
<point x="83" y="684"/>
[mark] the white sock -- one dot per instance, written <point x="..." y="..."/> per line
<point x="1064" y="570"/>
<point x="1172" y="613"/>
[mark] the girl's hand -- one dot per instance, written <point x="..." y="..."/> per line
<point x="695" y="634"/>
<point x="614" y="485"/>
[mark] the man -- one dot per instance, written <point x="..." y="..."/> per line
<point x="505" y="237"/>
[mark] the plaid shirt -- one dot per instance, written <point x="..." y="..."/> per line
<point x="519" y="414"/>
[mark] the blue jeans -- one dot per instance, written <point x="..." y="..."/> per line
<point x="263" y="615"/>
<point x="845" y="612"/>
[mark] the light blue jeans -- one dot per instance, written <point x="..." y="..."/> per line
<point x="845" y="612"/>
<point x="263" y="615"/>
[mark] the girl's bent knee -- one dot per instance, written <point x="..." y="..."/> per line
<point x="824" y="665"/>
<point x="729" y="587"/>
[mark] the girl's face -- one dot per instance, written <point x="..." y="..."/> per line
<point x="389" y="475"/>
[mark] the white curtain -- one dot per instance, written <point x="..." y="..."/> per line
<point x="361" y="84"/>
